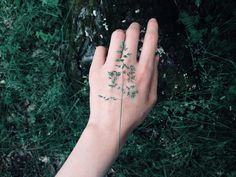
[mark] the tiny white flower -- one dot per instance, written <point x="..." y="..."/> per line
<point x="219" y="173"/>
<point x="137" y="11"/>
<point x="44" y="159"/>
<point x="142" y="30"/>
<point x="222" y="98"/>
<point x="86" y="33"/>
<point x="2" y="82"/>
<point x="106" y="26"/>
<point x="160" y="51"/>
<point x="94" y="13"/>
<point x="192" y="107"/>
<point x="31" y="108"/>
<point x="49" y="133"/>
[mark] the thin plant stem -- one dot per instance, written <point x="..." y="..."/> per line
<point x="121" y="111"/>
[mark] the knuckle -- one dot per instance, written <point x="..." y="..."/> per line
<point x="141" y="77"/>
<point x="93" y="72"/>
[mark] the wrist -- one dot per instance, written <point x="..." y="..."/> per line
<point x="108" y="128"/>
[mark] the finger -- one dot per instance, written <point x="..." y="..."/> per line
<point x="131" y="43"/>
<point x="154" y="84"/>
<point x="146" y="61"/>
<point x="99" y="56"/>
<point x="115" y="48"/>
<point x="149" y="45"/>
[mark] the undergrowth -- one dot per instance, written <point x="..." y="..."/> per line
<point x="192" y="133"/>
<point x="38" y="110"/>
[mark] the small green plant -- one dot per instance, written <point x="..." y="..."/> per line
<point x="123" y="70"/>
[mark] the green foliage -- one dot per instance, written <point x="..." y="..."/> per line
<point x="36" y="104"/>
<point x="190" y="23"/>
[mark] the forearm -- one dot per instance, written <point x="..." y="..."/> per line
<point x="94" y="153"/>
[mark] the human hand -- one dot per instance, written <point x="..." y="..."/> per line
<point x="122" y="92"/>
<point x="122" y="89"/>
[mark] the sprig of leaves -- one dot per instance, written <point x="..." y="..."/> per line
<point x="122" y="69"/>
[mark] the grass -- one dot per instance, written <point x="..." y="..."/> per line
<point x="36" y="104"/>
<point x="191" y="132"/>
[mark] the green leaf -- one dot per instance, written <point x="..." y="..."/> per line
<point x="119" y="60"/>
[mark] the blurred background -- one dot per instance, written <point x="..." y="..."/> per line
<point x="46" y="48"/>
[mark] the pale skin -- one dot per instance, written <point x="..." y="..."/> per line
<point x="106" y="133"/>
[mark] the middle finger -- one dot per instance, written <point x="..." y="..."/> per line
<point x="131" y="43"/>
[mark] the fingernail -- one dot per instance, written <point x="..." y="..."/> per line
<point x="135" y="25"/>
<point x="152" y="20"/>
